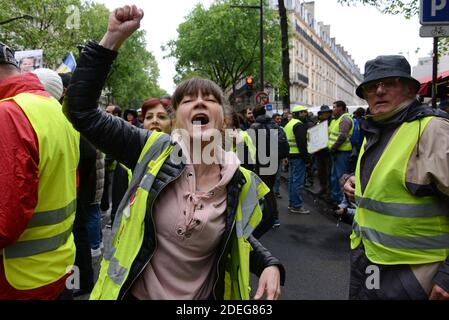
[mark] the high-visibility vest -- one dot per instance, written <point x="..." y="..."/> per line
<point x="248" y="142"/>
<point x="45" y="252"/>
<point x="291" y="135"/>
<point x="129" y="230"/>
<point x="395" y="226"/>
<point x="334" y="133"/>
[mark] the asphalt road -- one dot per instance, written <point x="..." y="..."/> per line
<point x="313" y="250"/>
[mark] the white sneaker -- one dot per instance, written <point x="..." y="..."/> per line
<point x="300" y="210"/>
<point x="95" y="252"/>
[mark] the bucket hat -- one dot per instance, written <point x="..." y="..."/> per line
<point x="386" y="67"/>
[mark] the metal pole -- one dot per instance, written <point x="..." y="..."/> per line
<point x="262" y="80"/>
<point x="435" y="72"/>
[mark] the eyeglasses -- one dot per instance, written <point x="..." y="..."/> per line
<point x="387" y="84"/>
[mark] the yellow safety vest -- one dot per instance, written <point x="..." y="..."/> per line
<point x="395" y="226"/>
<point x="45" y="251"/>
<point x="291" y="135"/>
<point x="334" y="133"/>
<point x="252" y="151"/>
<point x="129" y="230"/>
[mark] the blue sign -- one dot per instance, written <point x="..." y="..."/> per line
<point x="269" y="107"/>
<point x="434" y="12"/>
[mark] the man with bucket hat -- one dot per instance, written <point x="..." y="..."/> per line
<point x="400" y="238"/>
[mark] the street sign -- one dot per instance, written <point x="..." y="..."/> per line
<point x="269" y="107"/>
<point x="434" y="12"/>
<point x="434" y="31"/>
<point x="262" y="98"/>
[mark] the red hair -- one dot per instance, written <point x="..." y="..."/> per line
<point x="153" y="102"/>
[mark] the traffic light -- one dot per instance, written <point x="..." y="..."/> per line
<point x="249" y="82"/>
<point x="249" y="86"/>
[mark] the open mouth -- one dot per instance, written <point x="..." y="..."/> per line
<point x="200" y="119"/>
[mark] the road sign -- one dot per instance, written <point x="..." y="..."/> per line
<point x="434" y="12"/>
<point x="269" y="107"/>
<point x="434" y="31"/>
<point x="262" y="98"/>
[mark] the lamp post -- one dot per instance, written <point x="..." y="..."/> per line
<point x="260" y="8"/>
<point x="25" y="16"/>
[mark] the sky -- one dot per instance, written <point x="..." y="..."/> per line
<point x="363" y="31"/>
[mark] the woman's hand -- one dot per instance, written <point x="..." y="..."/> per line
<point x="269" y="284"/>
<point x="122" y="24"/>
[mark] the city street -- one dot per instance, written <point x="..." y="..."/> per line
<point x="314" y="251"/>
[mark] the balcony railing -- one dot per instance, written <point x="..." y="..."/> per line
<point x="300" y="79"/>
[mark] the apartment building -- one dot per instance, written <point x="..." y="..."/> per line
<point x="321" y="70"/>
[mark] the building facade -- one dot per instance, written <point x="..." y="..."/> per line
<point x="423" y="69"/>
<point x="321" y="71"/>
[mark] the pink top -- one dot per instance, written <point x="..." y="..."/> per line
<point x="189" y="226"/>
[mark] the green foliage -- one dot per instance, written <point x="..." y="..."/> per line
<point x="407" y="8"/>
<point x="222" y="43"/>
<point x="54" y="29"/>
<point x="46" y="31"/>
<point x="134" y="74"/>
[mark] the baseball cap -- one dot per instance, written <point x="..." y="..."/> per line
<point x="7" y="55"/>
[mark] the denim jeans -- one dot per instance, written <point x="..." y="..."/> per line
<point x="296" y="177"/>
<point x="340" y="166"/>
<point x="94" y="225"/>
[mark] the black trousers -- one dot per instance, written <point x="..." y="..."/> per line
<point x="83" y="258"/>
<point x="395" y="282"/>
<point x="270" y="197"/>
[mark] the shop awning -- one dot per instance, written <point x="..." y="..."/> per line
<point x="442" y="85"/>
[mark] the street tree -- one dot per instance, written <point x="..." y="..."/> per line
<point x="285" y="87"/>
<point x="58" y="26"/>
<point x="222" y="43"/>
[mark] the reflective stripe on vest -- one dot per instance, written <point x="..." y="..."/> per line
<point x="405" y="243"/>
<point x="46" y="249"/>
<point x="244" y="225"/>
<point x="25" y="248"/>
<point x="404" y="210"/>
<point x="47" y="218"/>
<point x="334" y="133"/>
<point x="291" y="135"/>
<point x="395" y="226"/>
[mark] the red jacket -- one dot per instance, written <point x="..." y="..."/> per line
<point x="19" y="162"/>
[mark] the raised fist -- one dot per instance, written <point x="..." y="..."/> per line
<point x="122" y="24"/>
